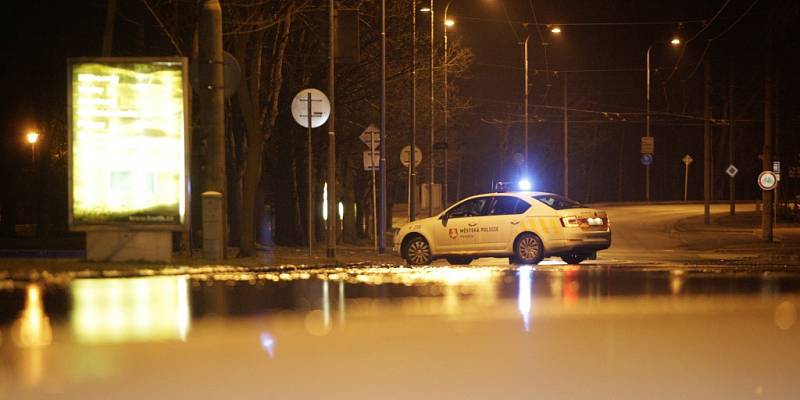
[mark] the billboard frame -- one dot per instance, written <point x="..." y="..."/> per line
<point x="180" y="226"/>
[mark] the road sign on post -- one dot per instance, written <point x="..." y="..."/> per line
<point x="647" y="159"/>
<point x="371" y="136"/>
<point x="648" y="145"/>
<point x="687" y="159"/>
<point x="371" y="160"/>
<point x="320" y="108"/>
<point x="767" y="180"/>
<point x="405" y="156"/>
<point x="732" y="170"/>
<point x="310" y="108"/>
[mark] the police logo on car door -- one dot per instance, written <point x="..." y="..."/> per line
<point x="453" y="233"/>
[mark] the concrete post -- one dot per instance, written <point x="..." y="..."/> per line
<point x="213" y="238"/>
<point x="212" y="108"/>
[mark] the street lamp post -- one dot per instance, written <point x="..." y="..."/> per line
<point x="431" y="165"/>
<point x="447" y="23"/>
<point x="525" y="102"/>
<point x="32" y="137"/>
<point x="647" y="120"/>
<point x="412" y="170"/>
<point x="675" y="42"/>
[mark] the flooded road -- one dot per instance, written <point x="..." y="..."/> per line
<point x="548" y="331"/>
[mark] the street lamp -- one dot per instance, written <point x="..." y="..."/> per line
<point x="674" y="42"/>
<point x="32" y="137"/>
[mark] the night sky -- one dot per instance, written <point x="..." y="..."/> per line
<point x="601" y="49"/>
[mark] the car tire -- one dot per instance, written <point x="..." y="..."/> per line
<point x="417" y="251"/>
<point x="528" y="249"/>
<point x="459" y="260"/>
<point x="574" y="258"/>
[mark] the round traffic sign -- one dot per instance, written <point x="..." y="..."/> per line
<point x="405" y="156"/>
<point x="647" y="159"/>
<point x="231" y="75"/>
<point x="767" y="180"/>
<point x="320" y="107"/>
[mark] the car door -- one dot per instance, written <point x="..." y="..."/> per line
<point x="459" y="228"/>
<point x="502" y="222"/>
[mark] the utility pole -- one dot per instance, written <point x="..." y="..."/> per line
<point x="707" y="143"/>
<point x="412" y="169"/>
<point x="332" y="200"/>
<point x="445" y="191"/>
<point x="731" y="138"/>
<point x="777" y="149"/>
<point x="382" y="228"/>
<point x="432" y="136"/>
<point x="108" y="34"/>
<point x="647" y="120"/>
<point x="767" y="195"/>
<point x="212" y="106"/>
<point x="566" y="140"/>
<point x="525" y="101"/>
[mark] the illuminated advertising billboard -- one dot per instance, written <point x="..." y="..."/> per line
<point x="128" y="141"/>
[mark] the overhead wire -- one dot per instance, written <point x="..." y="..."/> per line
<point x="696" y="35"/>
<point x="747" y="11"/>
<point x="541" y="38"/>
<point x="612" y="23"/>
<point x="510" y="25"/>
<point x="708" y="42"/>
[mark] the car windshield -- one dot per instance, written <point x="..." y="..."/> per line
<point x="558" y="202"/>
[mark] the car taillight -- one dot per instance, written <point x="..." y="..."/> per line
<point x="570" y="222"/>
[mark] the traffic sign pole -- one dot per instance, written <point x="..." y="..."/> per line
<point x="374" y="198"/>
<point x="316" y="106"/>
<point x="687" y="159"/>
<point x="310" y="225"/>
<point x="686" y="182"/>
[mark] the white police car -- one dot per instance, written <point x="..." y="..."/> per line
<point x="525" y="226"/>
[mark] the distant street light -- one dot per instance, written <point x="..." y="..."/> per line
<point x="675" y="42"/>
<point x="32" y="137"/>
<point x="555" y="29"/>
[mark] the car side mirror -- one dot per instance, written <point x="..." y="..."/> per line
<point x="444" y="219"/>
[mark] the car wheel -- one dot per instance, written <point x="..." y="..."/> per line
<point x="573" y="258"/>
<point x="459" y="260"/>
<point x="417" y="251"/>
<point x="528" y="249"/>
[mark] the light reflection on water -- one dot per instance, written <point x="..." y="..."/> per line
<point x="370" y="317"/>
<point x="130" y="309"/>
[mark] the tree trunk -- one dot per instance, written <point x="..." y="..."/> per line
<point x="249" y="94"/>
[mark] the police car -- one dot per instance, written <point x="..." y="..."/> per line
<point x="524" y="226"/>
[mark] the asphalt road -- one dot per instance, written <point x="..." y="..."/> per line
<point x="643" y="233"/>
